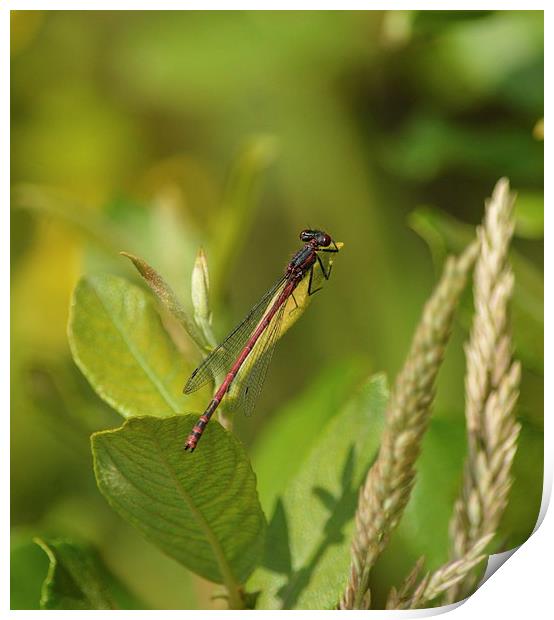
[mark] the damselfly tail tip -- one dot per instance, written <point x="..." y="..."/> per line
<point x="190" y="445"/>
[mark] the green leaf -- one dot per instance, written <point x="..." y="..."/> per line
<point x="75" y="578"/>
<point x="445" y="234"/>
<point x="297" y="426"/>
<point x="28" y="565"/>
<point x="200" y="294"/>
<point x="201" y="509"/>
<point x="119" y="343"/>
<point x="307" y="554"/>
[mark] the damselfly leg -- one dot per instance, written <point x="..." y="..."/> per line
<point x="239" y="364"/>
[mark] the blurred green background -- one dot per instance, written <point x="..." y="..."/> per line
<point x="159" y="132"/>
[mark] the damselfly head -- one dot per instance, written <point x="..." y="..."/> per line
<point x="321" y="238"/>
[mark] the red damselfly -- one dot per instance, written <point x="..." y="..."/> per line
<point x="249" y="347"/>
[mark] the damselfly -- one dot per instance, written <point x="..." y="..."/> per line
<point x="249" y="347"/>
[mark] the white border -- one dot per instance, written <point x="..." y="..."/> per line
<point x="523" y="584"/>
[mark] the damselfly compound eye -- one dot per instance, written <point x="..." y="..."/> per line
<point x="262" y="324"/>
<point x="323" y="239"/>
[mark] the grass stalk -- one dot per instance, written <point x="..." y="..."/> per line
<point x="492" y="385"/>
<point x="389" y="482"/>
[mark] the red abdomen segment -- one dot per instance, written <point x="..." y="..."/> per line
<point x="198" y="429"/>
<point x="200" y="425"/>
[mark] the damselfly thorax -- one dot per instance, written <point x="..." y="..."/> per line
<point x="249" y="347"/>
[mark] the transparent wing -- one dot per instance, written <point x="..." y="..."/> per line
<point x="251" y="378"/>
<point x="223" y="356"/>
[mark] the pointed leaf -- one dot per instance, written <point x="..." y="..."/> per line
<point x="75" y="580"/>
<point x="200" y="287"/>
<point x="313" y="520"/>
<point x="169" y="299"/>
<point x="200" y="294"/>
<point x="119" y="343"/>
<point x="202" y="509"/>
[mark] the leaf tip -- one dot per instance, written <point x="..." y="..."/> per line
<point x="141" y="266"/>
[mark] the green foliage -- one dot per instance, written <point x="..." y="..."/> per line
<point x="169" y="300"/>
<point x="75" y="578"/>
<point x="309" y="535"/>
<point x="28" y="566"/>
<point x="119" y="343"/>
<point x="298" y="427"/>
<point x="52" y="573"/>
<point x="202" y="510"/>
<point x="368" y="123"/>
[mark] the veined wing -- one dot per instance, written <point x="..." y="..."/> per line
<point x="249" y="381"/>
<point x="223" y="356"/>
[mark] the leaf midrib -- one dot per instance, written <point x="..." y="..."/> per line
<point x="226" y="572"/>
<point x="150" y="374"/>
<point x="225" y="569"/>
